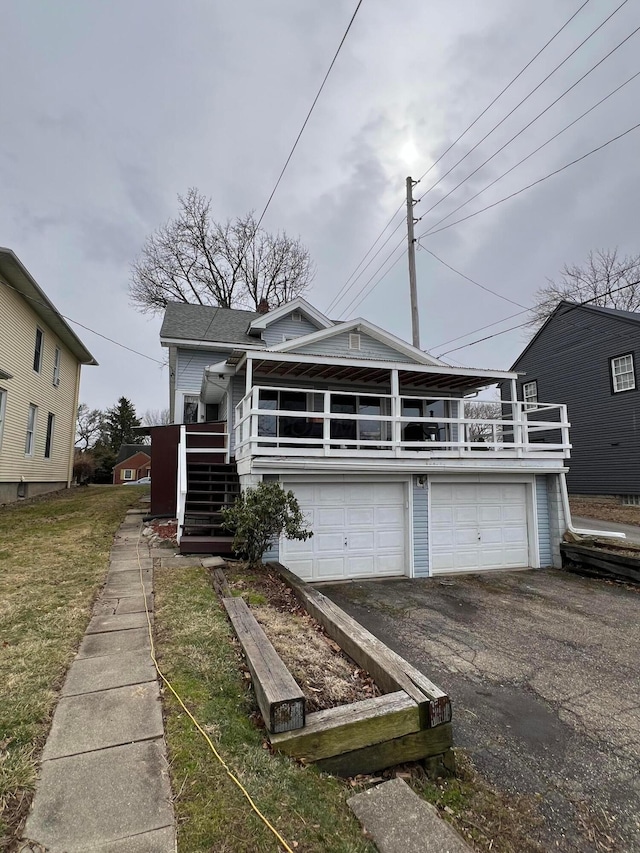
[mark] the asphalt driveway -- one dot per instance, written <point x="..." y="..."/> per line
<point x="543" y="669"/>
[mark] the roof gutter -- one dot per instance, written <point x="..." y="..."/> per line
<point x="608" y="534"/>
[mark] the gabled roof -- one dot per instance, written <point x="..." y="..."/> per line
<point x="20" y="279"/>
<point x="183" y="321"/>
<point x="128" y="450"/>
<point x="299" y="304"/>
<point x="566" y="307"/>
<point x="402" y="347"/>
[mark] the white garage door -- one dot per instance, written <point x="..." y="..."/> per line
<point x="478" y="526"/>
<point x="358" y="531"/>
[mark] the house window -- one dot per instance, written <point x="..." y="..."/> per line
<point x="622" y="373"/>
<point x="3" y="406"/>
<point x="190" y="410"/>
<point x="128" y="473"/>
<point x="37" y="353"/>
<point x="56" y="367"/>
<point x="354" y="341"/>
<point x="31" y="430"/>
<point x="530" y="394"/>
<point x="49" y="439"/>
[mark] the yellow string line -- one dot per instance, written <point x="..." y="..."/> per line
<point x="229" y="773"/>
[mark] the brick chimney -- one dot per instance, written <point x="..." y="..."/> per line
<point x="263" y="306"/>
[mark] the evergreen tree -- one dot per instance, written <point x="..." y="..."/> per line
<point x="120" y="422"/>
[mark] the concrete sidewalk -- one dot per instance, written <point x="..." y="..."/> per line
<point x="104" y="781"/>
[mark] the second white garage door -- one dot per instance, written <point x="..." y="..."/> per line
<point x="359" y="530"/>
<point x="478" y="526"/>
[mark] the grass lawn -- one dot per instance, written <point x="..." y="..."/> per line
<point x="197" y="655"/>
<point x="54" y="555"/>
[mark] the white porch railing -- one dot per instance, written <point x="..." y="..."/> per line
<point x="321" y="431"/>
<point x="182" y="480"/>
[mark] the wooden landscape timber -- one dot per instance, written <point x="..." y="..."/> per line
<point x="410" y="722"/>
<point x="600" y="562"/>
<point x="279" y="698"/>
<point x="390" y="671"/>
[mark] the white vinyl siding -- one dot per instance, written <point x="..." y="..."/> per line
<point x="340" y="345"/>
<point x="18" y="323"/>
<point x="420" y="527"/>
<point x="623" y="373"/>
<point x="190" y="365"/>
<point x="3" y="406"/>
<point x="30" y="438"/>
<point x="287" y="328"/>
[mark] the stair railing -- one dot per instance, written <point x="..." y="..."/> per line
<point x="181" y="481"/>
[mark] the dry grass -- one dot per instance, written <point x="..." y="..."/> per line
<point x="53" y="558"/>
<point x="605" y="510"/>
<point x="196" y="652"/>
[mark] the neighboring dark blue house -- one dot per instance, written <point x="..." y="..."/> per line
<point x="587" y="357"/>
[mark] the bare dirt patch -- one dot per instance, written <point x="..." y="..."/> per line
<point x="605" y="509"/>
<point x="326" y="676"/>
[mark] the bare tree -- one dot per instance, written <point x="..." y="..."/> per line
<point x="233" y="264"/>
<point x="90" y="425"/>
<point x="156" y="417"/>
<point x="484" y="412"/>
<point x="595" y="280"/>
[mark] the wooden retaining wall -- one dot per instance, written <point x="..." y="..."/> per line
<point x="600" y="562"/>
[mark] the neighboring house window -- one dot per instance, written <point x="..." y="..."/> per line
<point x="530" y="394"/>
<point x="190" y="410"/>
<point x="56" y="367"/>
<point x="37" y="354"/>
<point x="127" y="473"/>
<point x="3" y="406"/>
<point x="31" y="430"/>
<point x="623" y="373"/>
<point x="51" y="418"/>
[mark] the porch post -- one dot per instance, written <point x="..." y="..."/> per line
<point x="396" y="411"/>
<point x="249" y="376"/>
<point x="517" y="420"/>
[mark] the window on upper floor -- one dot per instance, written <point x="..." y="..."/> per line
<point x="3" y="407"/>
<point x="37" y="353"/>
<point x="530" y="394"/>
<point x="51" y="419"/>
<point x="56" y="367"/>
<point x="623" y="375"/>
<point x="30" y="438"/>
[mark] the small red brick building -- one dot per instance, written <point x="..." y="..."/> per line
<point x="132" y="463"/>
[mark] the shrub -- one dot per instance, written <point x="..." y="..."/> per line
<point x="259" y="516"/>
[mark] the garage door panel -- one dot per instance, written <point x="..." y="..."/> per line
<point x="331" y="518"/>
<point x="360" y="541"/>
<point x="327" y="542"/>
<point x="361" y="567"/>
<point x="359" y="517"/>
<point x="478" y="526"/>
<point x="327" y="568"/>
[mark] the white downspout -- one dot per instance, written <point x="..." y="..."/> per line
<point x="609" y="534"/>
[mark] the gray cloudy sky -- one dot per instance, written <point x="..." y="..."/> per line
<point x="112" y="109"/>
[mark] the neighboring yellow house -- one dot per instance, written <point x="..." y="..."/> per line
<point x="40" y="359"/>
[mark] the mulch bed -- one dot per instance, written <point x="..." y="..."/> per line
<point x="326" y="676"/>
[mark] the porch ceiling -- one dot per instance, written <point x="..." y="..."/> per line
<point x="371" y="375"/>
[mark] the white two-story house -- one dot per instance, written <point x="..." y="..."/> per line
<point x="374" y="437"/>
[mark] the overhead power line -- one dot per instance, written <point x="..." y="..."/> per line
<point x="473" y="281"/>
<point x="304" y="124"/>
<point x="526" y="98"/>
<point x="530" y="123"/>
<point x="361" y="295"/>
<point x="346" y="285"/>
<point x="82" y="326"/>
<point x="535" y="151"/>
<point x="522" y="325"/>
<point x="533" y="183"/>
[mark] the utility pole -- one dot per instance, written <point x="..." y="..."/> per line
<point x="415" y="324"/>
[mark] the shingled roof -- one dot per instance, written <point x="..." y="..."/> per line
<point x="204" y="323"/>
<point x="128" y="450"/>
